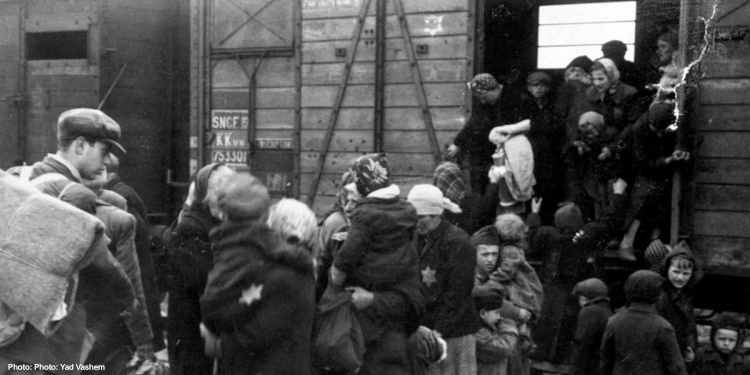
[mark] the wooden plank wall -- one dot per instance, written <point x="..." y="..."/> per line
<point x="442" y="25"/>
<point x="722" y="180"/>
<point x="138" y="33"/>
<point x="54" y="86"/>
<point x="9" y="39"/>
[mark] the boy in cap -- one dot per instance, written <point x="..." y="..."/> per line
<point x="497" y="340"/>
<point x="446" y="261"/>
<point x="592" y="319"/>
<point x="637" y="340"/>
<point x="472" y="141"/>
<point x="723" y="357"/>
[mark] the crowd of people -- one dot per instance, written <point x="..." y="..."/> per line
<point x="494" y="273"/>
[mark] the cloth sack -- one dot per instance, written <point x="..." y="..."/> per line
<point x="338" y="342"/>
<point x="43" y="244"/>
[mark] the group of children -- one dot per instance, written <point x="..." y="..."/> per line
<point x="655" y="334"/>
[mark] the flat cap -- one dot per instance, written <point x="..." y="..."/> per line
<point x="89" y="123"/>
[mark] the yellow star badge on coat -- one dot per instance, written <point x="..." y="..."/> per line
<point x="251" y="294"/>
<point x="428" y="276"/>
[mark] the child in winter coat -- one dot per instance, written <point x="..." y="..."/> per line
<point x="497" y="339"/>
<point x="592" y="295"/>
<point x="258" y="305"/>
<point x="637" y="340"/>
<point x="378" y="251"/>
<point x="676" y="302"/>
<point x="722" y="357"/>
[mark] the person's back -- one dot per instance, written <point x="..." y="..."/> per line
<point x="378" y="250"/>
<point x="592" y="320"/>
<point x="637" y="340"/>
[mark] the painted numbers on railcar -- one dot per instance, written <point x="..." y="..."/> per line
<point x="230" y="131"/>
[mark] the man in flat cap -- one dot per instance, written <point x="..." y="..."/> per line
<point x="85" y="137"/>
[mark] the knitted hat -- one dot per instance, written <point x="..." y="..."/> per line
<point x="610" y="69"/>
<point x="449" y="180"/>
<point x="655" y="254"/>
<point x="370" y="173"/>
<point x="643" y="286"/>
<point x="661" y="115"/>
<point x="294" y="220"/>
<point x="583" y="62"/>
<point x="486" y="236"/>
<point x="591" y="288"/>
<point x="243" y="197"/>
<point x="568" y="219"/>
<point x="591" y="119"/>
<point x="539" y="77"/>
<point x="429" y="200"/>
<point x="483" y="82"/>
<point x="489" y="296"/>
<point x="614" y="48"/>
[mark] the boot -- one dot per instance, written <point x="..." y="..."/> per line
<point x="625" y="252"/>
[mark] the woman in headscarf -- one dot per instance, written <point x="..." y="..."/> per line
<point x="477" y="210"/>
<point x="610" y="97"/>
<point x="189" y="263"/>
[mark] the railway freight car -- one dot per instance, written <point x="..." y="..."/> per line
<point x="293" y="90"/>
<point x="114" y="54"/>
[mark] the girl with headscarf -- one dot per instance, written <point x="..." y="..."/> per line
<point x="477" y="210"/>
<point x="189" y="263"/>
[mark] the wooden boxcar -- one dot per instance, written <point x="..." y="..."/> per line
<point x="296" y="89"/>
<point x="56" y="55"/>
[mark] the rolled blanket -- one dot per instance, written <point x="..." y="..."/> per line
<point x="44" y="242"/>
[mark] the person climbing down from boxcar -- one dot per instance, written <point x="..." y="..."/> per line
<point x="637" y="340"/>
<point x="381" y="267"/>
<point x="471" y="142"/>
<point x="189" y="263"/>
<point x="497" y="339"/>
<point x="258" y="306"/>
<point x="723" y="356"/>
<point x="615" y="100"/>
<point x="447" y="262"/>
<point x="654" y="155"/>
<point x="589" y="169"/>
<point x="536" y="104"/>
<point x="476" y="210"/>
<point x="676" y="302"/>
<point x="592" y="320"/>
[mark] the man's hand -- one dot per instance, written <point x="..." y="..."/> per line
<point x="453" y="150"/>
<point x="338" y="276"/>
<point x="619" y="186"/>
<point x="689" y="354"/>
<point x="524" y="315"/>
<point x="536" y="204"/>
<point x="361" y="298"/>
<point x="145" y="351"/>
<point x="606" y="154"/>
<point x="678" y="155"/>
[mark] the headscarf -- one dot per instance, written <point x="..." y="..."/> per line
<point x="482" y="83"/>
<point x="610" y="69"/>
<point x="429" y="200"/>
<point x="201" y="187"/>
<point x="370" y="173"/>
<point x="449" y="180"/>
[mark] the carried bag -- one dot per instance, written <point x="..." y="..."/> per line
<point x="338" y="342"/>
